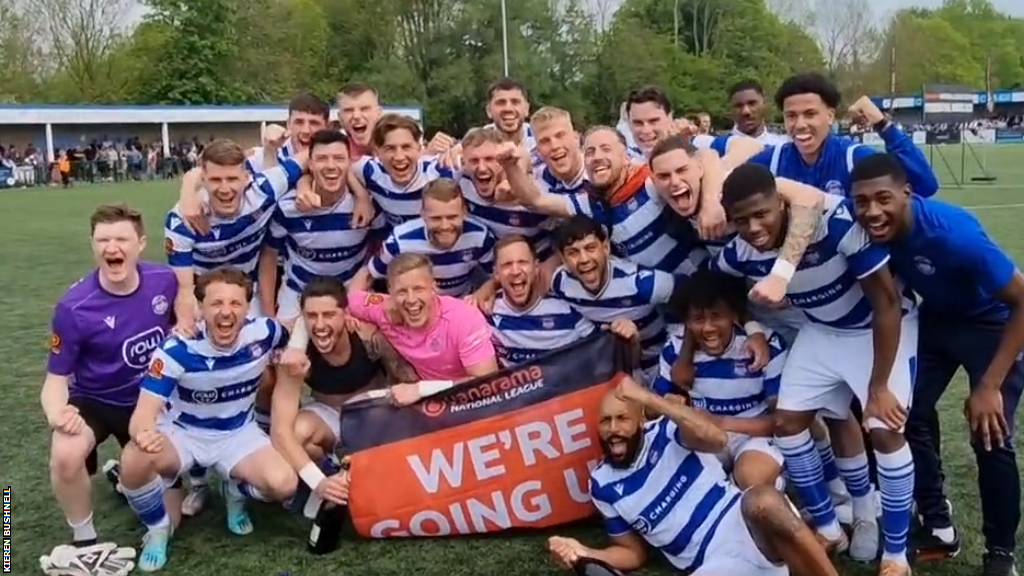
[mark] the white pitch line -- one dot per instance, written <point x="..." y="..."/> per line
<point x="993" y="206"/>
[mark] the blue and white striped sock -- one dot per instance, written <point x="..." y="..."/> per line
<point x="803" y="466"/>
<point x="896" y="484"/>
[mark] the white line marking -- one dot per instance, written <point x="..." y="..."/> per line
<point x="993" y="206"/>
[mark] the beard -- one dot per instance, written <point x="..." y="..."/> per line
<point x="633" y="445"/>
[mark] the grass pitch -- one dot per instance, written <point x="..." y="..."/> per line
<point x="44" y="234"/>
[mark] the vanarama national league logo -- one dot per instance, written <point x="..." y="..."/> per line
<point x="506" y="386"/>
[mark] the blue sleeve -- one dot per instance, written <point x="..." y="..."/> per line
<point x="278" y="334"/>
<point x="388" y="250"/>
<point x="764" y="157"/>
<point x="919" y="171"/>
<point x="720" y="144"/>
<point x="557" y="279"/>
<point x="863" y="258"/>
<point x="613" y="523"/>
<point x="654" y="286"/>
<point x="727" y="261"/>
<point x="973" y="250"/>
<point x="179" y="241"/>
<point x="486" y="257"/>
<point x="276" y="181"/>
<point x="164" y="371"/>
<point x="277" y="232"/>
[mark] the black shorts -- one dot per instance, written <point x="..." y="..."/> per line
<point x="105" y="421"/>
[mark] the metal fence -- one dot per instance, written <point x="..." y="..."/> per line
<point x="87" y="172"/>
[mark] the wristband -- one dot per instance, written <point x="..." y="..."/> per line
<point x="312" y="475"/>
<point x="783" y="269"/>
<point x="431" y="387"/>
<point x="752" y="328"/>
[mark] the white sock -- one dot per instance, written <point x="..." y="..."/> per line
<point x="83" y="530"/>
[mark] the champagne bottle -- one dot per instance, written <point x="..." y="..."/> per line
<point x="325" y="534"/>
<point x="594" y="567"/>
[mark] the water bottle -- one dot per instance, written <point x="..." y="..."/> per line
<point x="325" y="534"/>
<point x="594" y="567"/>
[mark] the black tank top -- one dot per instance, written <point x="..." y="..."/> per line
<point x="351" y="377"/>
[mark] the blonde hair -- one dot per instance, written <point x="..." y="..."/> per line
<point x="548" y="114"/>
<point x="480" y="136"/>
<point x="223" y="152"/>
<point x="407" y="262"/>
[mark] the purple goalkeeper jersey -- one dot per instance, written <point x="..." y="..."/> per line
<point x="103" y="341"/>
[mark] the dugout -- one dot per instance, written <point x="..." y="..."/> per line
<point x="54" y="128"/>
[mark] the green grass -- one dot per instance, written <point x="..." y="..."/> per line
<point x="44" y="232"/>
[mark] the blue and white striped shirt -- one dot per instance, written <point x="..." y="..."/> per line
<point x="210" y="389"/>
<point x="320" y="242"/>
<point x="509" y="219"/>
<point x="453" y="267"/>
<point x="826" y="284"/>
<point x="233" y="241"/>
<point x="400" y="203"/>
<point x="672" y="497"/>
<point x="630" y="292"/>
<point x="725" y="385"/>
<point x="522" y="335"/>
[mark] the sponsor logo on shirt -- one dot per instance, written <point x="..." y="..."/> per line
<point x="374" y="299"/>
<point x="55" y="343"/>
<point x="159" y="304"/>
<point x="156" y="368"/>
<point x="137" y="350"/>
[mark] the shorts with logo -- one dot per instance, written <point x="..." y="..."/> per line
<point x="327" y="414"/>
<point x="827" y="368"/>
<point x="733" y="552"/>
<point x="288" y="308"/>
<point x="209" y="449"/>
<point x="740" y="443"/>
<point x="105" y="420"/>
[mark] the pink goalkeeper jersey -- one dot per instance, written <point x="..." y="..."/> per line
<point x="459" y="337"/>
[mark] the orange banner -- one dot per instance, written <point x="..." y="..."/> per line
<point x="512" y="450"/>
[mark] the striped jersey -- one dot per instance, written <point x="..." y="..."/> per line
<point x="320" y="242"/>
<point x="669" y="354"/>
<point x="672" y="497"/>
<point x="400" y="203"/>
<point x="631" y="292"/>
<point x="211" y="389"/>
<point x="507" y="219"/>
<point x="254" y="163"/>
<point x="548" y="182"/>
<point x="826" y="284"/>
<point x="522" y="335"/>
<point x="232" y="241"/>
<point x="726" y="385"/>
<point x="645" y="231"/>
<point x="453" y="267"/>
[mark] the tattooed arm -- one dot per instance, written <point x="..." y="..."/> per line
<point x="397" y="368"/>
<point x="805" y="209"/>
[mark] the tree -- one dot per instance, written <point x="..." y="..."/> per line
<point x="81" y="37"/>
<point x="847" y="35"/>
<point x="21" y="57"/>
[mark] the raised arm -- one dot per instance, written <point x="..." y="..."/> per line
<point x="527" y="193"/>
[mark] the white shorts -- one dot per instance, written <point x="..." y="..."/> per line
<point x="288" y="308"/>
<point x="740" y="443"/>
<point x="220" y="451"/>
<point x="826" y="369"/>
<point x="327" y="414"/>
<point x="733" y="552"/>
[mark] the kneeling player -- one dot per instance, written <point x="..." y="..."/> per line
<point x="104" y="329"/>
<point x="658" y="483"/>
<point x="342" y="363"/>
<point x="738" y="397"/>
<point x="210" y="381"/>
